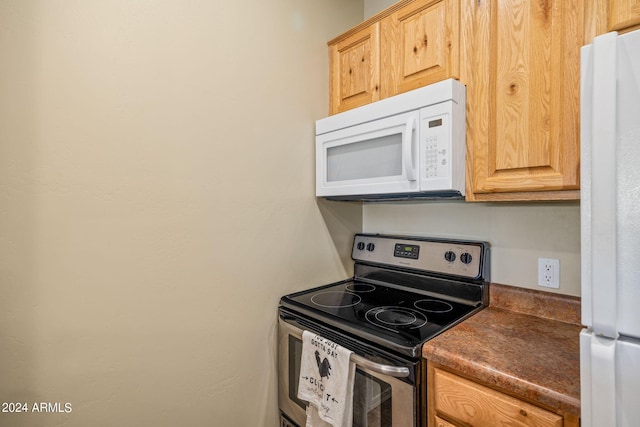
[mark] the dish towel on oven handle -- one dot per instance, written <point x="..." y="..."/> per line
<point x="326" y="382"/>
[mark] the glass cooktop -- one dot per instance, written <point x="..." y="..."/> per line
<point x="394" y="317"/>
<point x="405" y="290"/>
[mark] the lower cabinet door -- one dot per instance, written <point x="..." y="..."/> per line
<point x="442" y="423"/>
<point x="470" y="404"/>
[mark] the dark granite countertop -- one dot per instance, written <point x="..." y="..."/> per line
<point x="526" y="344"/>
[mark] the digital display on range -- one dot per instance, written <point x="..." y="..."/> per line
<point x="406" y="251"/>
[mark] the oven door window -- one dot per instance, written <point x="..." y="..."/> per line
<point x="371" y="396"/>
<point x="371" y="401"/>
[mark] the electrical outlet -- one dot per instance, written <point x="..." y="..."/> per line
<point x="549" y="272"/>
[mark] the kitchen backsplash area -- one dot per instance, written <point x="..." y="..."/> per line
<point x="519" y="234"/>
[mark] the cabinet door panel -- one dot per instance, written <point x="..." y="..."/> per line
<point x="623" y="14"/>
<point x="442" y="423"/>
<point x="522" y="85"/>
<point x="522" y="72"/>
<point x="355" y="70"/>
<point x="475" y="405"/>
<point x="420" y="45"/>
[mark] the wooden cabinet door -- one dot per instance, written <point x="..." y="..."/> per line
<point x="623" y="14"/>
<point x="354" y="77"/>
<point x="521" y="66"/>
<point x="419" y="45"/>
<point x="471" y="404"/>
<point x="442" y="423"/>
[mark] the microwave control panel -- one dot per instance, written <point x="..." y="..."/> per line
<point x="442" y="147"/>
<point x="436" y="153"/>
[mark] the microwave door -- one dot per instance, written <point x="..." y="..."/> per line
<point x="378" y="157"/>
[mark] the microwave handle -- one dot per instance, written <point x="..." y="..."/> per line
<point x="407" y="149"/>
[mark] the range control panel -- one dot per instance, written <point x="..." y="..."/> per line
<point x="454" y="257"/>
<point x="406" y="251"/>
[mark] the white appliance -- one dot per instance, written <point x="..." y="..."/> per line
<point x="610" y="216"/>
<point x="410" y="145"/>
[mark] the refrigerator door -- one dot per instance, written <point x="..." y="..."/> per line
<point x="628" y="374"/>
<point x="610" y="184"/>
<point x="628" y="184"/>
<point x="598" y="182"/>
<point x="610" y="381"/>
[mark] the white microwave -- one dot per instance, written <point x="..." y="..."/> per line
<point x="408" y="146"/>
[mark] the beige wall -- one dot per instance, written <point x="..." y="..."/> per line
<point x="156" y="199"/>
<point x="144" y="146"/>
<point x="519" y="234"/>
<point x="371" y="7"/>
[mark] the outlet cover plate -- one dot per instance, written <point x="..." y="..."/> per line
<point x="549" y="272"/>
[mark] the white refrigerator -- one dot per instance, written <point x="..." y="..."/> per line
<point x="610" y="231"/>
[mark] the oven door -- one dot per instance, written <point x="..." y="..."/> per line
<point x="385" y="395"/>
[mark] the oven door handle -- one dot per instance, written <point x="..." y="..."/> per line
<point x="392" y="371"/>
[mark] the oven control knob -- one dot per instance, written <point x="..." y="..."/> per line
<point x="371" y="247"/>
<point x="466" y="258"/>
<point x="450" y="256"/>
<point x="360" y="246"/>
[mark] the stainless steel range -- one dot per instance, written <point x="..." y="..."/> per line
<point x="405" y="291"/>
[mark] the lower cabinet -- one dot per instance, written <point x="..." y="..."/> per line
<point x="454" y="401"/>
<point x="442" y="423"/>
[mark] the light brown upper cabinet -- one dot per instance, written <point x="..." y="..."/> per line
<point x="521" y="65"/>
<point x="409" y="45"/>
<point x="603" y="16"/>
<point x="623" y="14"/>
<point x="355" y="70"/>
<point x="419" y="45"/>
<point x="520" y="62"/>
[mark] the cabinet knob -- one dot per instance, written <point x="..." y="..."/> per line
<point x="523" y="412"/>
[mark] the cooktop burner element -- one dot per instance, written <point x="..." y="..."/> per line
<point x="396" y="301"/>
<point x="395" y="318"/>
<point x="433" y="306"/>
<point x="335" y="299"/>
<point x="360" y="287"/>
